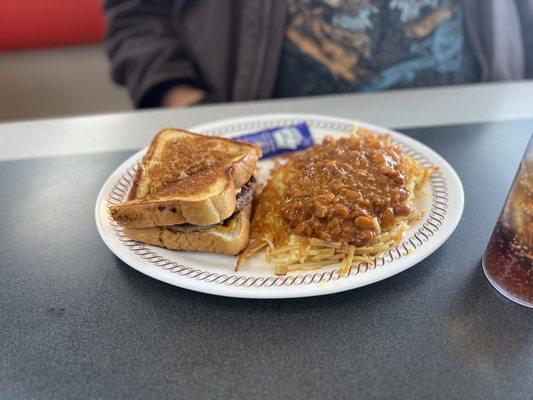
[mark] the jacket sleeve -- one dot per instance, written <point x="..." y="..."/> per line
<point x="147" y="55"/>
<point x="525" y="9"/>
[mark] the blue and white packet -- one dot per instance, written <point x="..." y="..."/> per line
<point x="275" y="141"/>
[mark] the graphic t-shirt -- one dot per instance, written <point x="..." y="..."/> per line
<point x="336" y="46"/>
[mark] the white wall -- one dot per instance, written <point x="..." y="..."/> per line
<point x="57" y="82"/>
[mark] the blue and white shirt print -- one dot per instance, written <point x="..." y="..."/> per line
<point x="334" y="46"/>
<point x="410" y="9"/>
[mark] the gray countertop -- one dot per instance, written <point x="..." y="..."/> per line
<point x="76" y="322"/>
<point x="407" y="108"/>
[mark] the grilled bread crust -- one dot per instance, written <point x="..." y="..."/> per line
<point x="187" y="178"/>
<point x="229" y="239"/>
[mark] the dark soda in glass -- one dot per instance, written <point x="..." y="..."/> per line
<point x="508" y="260"/>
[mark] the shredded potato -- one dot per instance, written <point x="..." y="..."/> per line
<point x="288" y="251"/>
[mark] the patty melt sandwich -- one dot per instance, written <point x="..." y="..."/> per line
<point x="191" y="192"/>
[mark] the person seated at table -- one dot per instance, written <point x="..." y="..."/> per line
<point x="178" y="53"/>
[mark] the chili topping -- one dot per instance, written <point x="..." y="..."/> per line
<point x="341" y="189"/>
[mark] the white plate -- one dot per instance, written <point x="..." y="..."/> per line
<point x="213" y="273"/>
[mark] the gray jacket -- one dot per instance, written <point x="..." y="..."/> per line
<point x="232" y="48"/>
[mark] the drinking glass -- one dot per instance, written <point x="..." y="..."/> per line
<point x="508" y="260"/>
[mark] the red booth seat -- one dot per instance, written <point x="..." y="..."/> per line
<point x="26" y="24"/>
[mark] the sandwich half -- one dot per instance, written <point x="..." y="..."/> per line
<point x="191" y="192"/>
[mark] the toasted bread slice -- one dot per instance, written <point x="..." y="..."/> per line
<point x="187" y="178"/>
<point x="229" y="238"/>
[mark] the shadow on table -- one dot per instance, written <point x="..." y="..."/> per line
<point x="405" y="282"/>
<point x="478" y="338"/>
